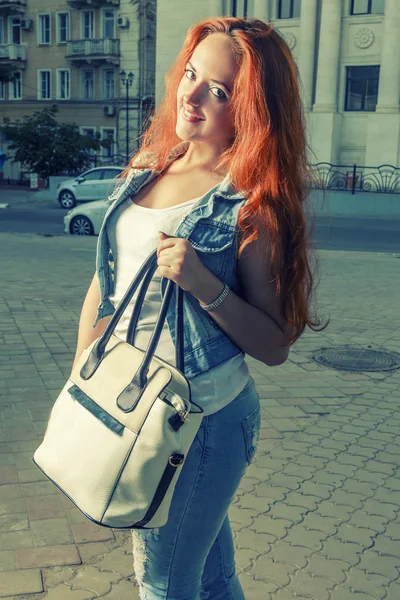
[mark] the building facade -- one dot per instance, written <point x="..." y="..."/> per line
<point x="73" y="54"/>
<point x="348" y="55"/>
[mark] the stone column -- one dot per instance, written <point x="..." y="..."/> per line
<point x="261" y="10"/>
<point x="308" y="19"/>
<point x="328" y="57"/>
<point x="383" y="132"/>
<point x="325" y="122"/>
<point x="215" y="8"/>
<point x="389" y="74"/>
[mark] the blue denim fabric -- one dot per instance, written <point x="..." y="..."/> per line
<point x="192" y="556"/>
<point x="211" y="227"/>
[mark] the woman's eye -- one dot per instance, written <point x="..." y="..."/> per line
<point x="216" y="91"/>
<point x="220" y="94"/>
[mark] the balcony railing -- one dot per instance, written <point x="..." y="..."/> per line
<point x="14" y="5"/>
<point x="93" y="50"/>
<point x="11" y="52"/>
<point x="384" y="179"/>
<point x="91" y="3"/>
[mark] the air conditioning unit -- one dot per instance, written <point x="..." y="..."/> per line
<point x="109" y="110"/>
<point x="26" y="24"/>
<point x="122" y="21"/>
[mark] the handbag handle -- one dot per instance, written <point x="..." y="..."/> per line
<point x="129" y="397"/>
<point x="130" y="336"/>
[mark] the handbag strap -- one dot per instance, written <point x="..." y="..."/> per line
<point x="132" y="327"/>
<point x="179" y="341"/>
<point x="131" y="395"/>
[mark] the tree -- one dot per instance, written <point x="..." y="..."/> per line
<point x="44" y="146"/>
<point x="7" y="73"/>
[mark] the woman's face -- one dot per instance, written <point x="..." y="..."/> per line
<point x="205" y="92"/>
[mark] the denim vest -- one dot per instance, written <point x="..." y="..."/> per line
<point x="211" y="227"/>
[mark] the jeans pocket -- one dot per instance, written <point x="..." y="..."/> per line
<point x="251" y="430"/>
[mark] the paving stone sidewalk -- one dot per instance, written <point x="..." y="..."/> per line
<point x="317" y="515"/>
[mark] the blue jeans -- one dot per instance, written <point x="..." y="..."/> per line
<point x="192" y="556"/>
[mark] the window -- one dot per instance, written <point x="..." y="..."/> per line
<point x="362" y="88"/>
<point x="62" y="28"/>
<point x="1" y="30"/>
<point x="44" y="84"/>
<point x="89" y="131"/>
<point x="88" y="84"/>
<point x="88" y="25"/>
<point x="111" y="173"/>
<point x="44" y="34"/>
<point x="109" y="84"/>
<point x="367" y="7"/>
<point x="63" y="84"/>
<point x="288" y="9"/>
<point x="2" y="90"/>
<point x="15" y="30"/>
<point x="15" y="87"/>
<point x="108" y="23"/>
<point x="241" y="8"/>
<point x="108" y="133"/>
<point x="94" y="175"/>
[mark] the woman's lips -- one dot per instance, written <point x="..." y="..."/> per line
<point x="188" y="116"/>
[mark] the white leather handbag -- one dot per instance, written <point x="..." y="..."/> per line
<point x="121" y="428"/>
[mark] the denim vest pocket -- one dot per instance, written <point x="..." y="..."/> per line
<point x="215" y="244"/>
<point x="251" y="430"/>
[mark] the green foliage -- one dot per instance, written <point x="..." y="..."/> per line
<point x="7" y="72"/>
<point x="47" y="147"/>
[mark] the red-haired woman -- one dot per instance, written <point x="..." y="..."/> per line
<point x="218" y="187"/>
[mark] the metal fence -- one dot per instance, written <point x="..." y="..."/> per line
<point x="384" y="179"/>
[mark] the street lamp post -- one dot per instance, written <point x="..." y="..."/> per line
<point x="127" y="81"/>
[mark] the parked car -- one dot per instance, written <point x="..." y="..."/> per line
<point x="86" y="219"/>
<point x="94" y="184"/>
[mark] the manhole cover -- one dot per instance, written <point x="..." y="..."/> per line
<point x="346" y="358"/>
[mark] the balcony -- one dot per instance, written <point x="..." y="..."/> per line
<point x="93" y="52"/>
<point x="91" y="3"/>
<point x="12" y="54"/>
<point x="13" y="5"/>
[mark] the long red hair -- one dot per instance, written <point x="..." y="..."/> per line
<point x="267" y="158"/>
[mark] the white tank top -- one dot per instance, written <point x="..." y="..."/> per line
<point x="133" y="233"/>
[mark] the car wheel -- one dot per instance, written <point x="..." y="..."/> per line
<point x="66" y="199"/>
<point x="81" y="226"/>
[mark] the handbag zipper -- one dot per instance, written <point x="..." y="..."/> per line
<point x="174" y="461"/>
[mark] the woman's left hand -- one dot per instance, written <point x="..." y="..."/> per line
<point x="177" y="260"/>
